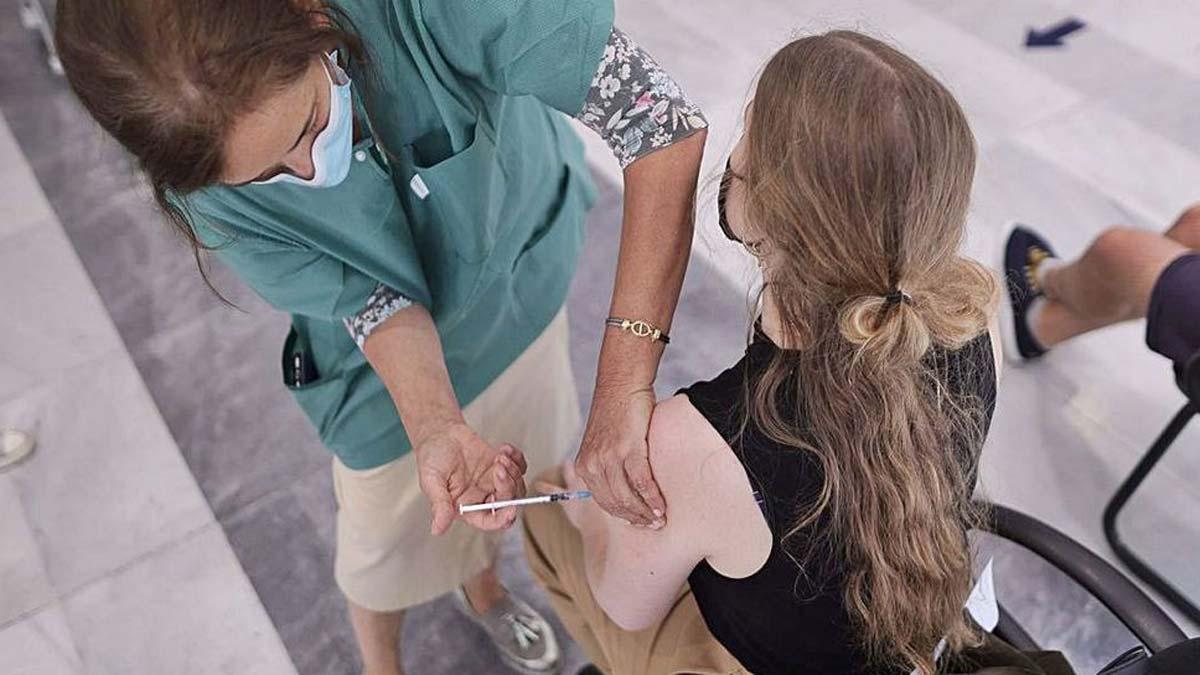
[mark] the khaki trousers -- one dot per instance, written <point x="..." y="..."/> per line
<point x="386" y="558"/>
<point x="680" y="643"/>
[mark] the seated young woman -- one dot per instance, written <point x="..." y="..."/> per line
<point x="819" y="489"/>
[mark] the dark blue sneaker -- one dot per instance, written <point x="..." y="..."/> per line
<point x="1024" y="250"/>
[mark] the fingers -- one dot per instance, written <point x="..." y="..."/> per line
<point x="436" y="490"/>
<point x="590" y="479"/>
<point x="501" y="519"/>
<point x="509" y="485"/>
<point x="443" y="514"/>
<point x="641" y="478"/>
<point x="516" y="455"/>
<point x="597" y="483"/>
<point x="509" y="478"/>
<point x="630" y="506"/>
<point x="611" y="492"/>
<point x="507" y="482"/>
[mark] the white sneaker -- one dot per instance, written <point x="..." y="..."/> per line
<point x="525" y="639"/>
<point x="14" y="447"/>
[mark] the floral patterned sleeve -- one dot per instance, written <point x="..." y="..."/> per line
<point x="381" y="305"/>
<point x="634" y="105"/>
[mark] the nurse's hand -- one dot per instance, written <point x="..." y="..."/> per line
<point x="456" y="466"/>
<point x="614" y="459"/>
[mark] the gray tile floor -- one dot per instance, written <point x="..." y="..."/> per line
<point x="108" y="550"/>
<point x="268" y="483"/>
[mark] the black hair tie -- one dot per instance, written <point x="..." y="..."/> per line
<point x="896" y="297"/>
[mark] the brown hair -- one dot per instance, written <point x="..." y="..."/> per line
<point x="858" y="173"/>
<point x="169" y="79"/>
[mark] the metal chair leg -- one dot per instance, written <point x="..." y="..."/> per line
<point x="1139" y="567"/>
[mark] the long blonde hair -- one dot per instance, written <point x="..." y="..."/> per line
<point x="858" y="174"/>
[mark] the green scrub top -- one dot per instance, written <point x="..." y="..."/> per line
<point x="469" y="198"/>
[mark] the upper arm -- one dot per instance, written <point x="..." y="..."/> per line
<point x="700" y="479"/>
<point x="635" y="106"/>
<point x="545" y="48"/>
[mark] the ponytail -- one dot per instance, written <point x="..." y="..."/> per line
<point x="858" y="173"/>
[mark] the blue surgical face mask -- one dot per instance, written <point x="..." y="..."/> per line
<point x="332" y="147"/>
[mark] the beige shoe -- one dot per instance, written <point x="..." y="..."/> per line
<point x="525" y="639"/>
<point x="15" y="446"/>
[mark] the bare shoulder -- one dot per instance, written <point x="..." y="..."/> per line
<point x="707" y="491"/>
<point x="676" y="420"/>
<point x="685" y="450"/>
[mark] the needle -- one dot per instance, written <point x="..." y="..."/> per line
<point x="527" y="501"/>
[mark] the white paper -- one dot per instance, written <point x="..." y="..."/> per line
<point x="981" y="605"/>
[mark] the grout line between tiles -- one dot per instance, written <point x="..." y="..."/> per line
<point x="60" y="597"/>
<point x="268" y="495"/>
<point x="120" y="350"/>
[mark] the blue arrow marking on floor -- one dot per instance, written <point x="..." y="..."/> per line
<point x="1052" y="36"/>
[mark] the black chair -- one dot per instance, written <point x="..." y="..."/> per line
<point x="1188" y="379"/>
<point x="1164" y="649"/>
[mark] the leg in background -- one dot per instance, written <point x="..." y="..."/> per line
<point x="1186" y="229"/>
<point x="554" y="552"/>
<point x="1110" y="283"/>
<point x="484" y="590"/>
<point x="378" y="635"/>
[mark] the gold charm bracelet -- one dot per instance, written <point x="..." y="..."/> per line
<point x="639" y="328"/>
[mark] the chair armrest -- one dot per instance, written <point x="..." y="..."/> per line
<point x="1132" y="607"/>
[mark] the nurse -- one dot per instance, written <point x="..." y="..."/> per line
<point x="398" y="175"/>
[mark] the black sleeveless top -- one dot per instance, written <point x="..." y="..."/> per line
<point x="784" y="619"/>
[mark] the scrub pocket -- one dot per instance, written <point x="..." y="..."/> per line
<point x="347" y="403"/>
<point x="456" y="207"/>
<point x="318" y="396"/>
<point x="463" y="198"/>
